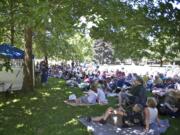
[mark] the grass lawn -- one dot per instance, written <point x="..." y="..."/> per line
<point x="43" y="112"/>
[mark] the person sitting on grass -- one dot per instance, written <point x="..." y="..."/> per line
<point x="89" y="98"/>
<point x="136" y="95"/>
<point x="151" y="117"/>
<point x="120" y="117"/>
<point x="101" y="97"/>
<point x="170" y="105"/>
<point x="158" y="82"/>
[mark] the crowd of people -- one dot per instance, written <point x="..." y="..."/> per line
<point x="133" y="105"/>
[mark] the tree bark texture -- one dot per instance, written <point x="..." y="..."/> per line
<point x="28" y="67"/>
<point x="12" y="22"/>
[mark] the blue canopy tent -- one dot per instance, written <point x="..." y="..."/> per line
<point x="11" y="52"/>
<point x="16" y="55"/>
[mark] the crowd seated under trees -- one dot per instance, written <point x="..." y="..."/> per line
<point x="130" y="88"/>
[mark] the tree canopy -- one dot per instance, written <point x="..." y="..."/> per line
<point x="66" y="29"/>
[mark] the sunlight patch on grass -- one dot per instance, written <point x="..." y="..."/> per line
<point x="20" y="125"/>
<point x="68" y="92"/>
<point x="28" y="112"/>
<point x="34" y="98"/>
<point x="45" y="94"/>
<point x="1" y="104"/>
<point x="23" y="107"/>
<point x="15" y="100"/>
<point x="48" y="115"/>
<point x="54" y="107"/>
<point x="71" y="122"/>
<point x="8" y="102"/>
<point x="56" y="88"/>
<point x="60" y="81"/>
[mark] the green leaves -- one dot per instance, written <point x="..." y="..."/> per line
<point x="6" y="64"/>
<point x="128" y="25"/>
<point x="131" y="25"/>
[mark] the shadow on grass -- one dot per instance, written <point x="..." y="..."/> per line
<point x="43" y="112"/>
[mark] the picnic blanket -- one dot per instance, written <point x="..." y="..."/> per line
<point x="108" y="129"/>
<point x="77" y="104"/>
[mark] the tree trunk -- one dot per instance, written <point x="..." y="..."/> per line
<point x="46" y="60"/>
<point x="28" y="69"/>
<point x="161" y="62"/>
<point x="12" y="23"/>
<point x="12" y="34"/>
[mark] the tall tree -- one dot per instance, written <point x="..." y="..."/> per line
<point x="124" y="26"/>
<point x="133" y="27"/>
<point x="28" y="66"/>
<point x="12" y="21"/>
<point x="103" y="52"/>
<point x="164" y="31"/>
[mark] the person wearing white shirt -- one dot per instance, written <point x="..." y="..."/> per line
<point x="152" y="120"/>
<point x="101" y="96"/>
<point x="90" y="97"/>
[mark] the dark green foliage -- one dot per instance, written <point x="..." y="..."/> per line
<point x="136" y="28"/>
<point x="140" y="28"/>
<point x="128" y="25"/>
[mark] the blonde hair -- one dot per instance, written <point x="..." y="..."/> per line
<point x="151" y="102"/>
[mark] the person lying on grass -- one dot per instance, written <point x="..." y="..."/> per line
<point x="120" y="117"/>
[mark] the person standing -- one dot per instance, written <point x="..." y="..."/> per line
<point x="72" y="64"/>
<point x="44" y="72"/>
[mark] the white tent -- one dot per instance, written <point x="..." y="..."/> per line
<point x="15" y="78"/>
